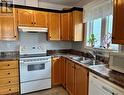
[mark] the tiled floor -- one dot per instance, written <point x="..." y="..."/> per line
<point x="53" y="91"/>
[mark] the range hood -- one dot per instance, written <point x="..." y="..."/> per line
<point x="32" y="29"/>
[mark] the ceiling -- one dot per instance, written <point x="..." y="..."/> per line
<point x="63" y="2"/>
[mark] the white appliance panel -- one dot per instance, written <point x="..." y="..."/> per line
<point x="35" y="85"/>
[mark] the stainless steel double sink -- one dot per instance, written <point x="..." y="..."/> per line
<point x="86" y="61"/>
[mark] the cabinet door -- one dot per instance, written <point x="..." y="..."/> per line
<point x="77" y="25"/>
<point x="81" y="80"/>
<point x="54" y="26"/>
<point x="65" y="26"/>
<point x="7" y="25"/>
<point x="70" y="77"/>
<point x="63" y="72"/>
<point x="56" y="71"/>
<point x="41" y="19"/>
<point x="118" y="22"/>
<point x="25" y="17"/>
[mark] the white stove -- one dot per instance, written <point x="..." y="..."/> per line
<point x="35" y="72"/>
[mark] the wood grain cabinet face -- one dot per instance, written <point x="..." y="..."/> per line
<point x="25" y="17"/>
<point x="54" y="26"/>
<point x="63" y="72"/>
<point x="8" y="27"/>
<point x="9" y="77"/>
<point x="72" y="26"/>
<point x="77" y="26"/>
<point x="118" y="22"/>
<point x="32" y="18"/>
<point x="81" y="80"/>
<point x="56" y="71"/>
<point x="41" y="19"/>
<point x="70" y="77"/>
<point x="65" y="26"/>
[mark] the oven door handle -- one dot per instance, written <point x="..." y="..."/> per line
<point x="30" y="63"/>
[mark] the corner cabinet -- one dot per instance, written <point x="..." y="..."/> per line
<point x="54" y="26"/>
<point x="72" y="26"/>
<point x="32" y="18"/>
<point x="8" y="26"/>
<point x="77" y="26"/>
<point x="118" y="22"/>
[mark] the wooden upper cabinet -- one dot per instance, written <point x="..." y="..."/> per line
<point x="54" y="26"/>
<point x="65" y="26"/>
<point x="25" y="17"/>
<point x="77" y="26"/>
<point x="32" y="18"/>
<point x="81" y="80"/>
<point x="118" y="22"/>
<point x="71" y="26"/>
<point x="8" y="27"/>
<point x="40" y="19"/>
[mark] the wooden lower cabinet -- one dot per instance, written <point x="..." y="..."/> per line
<point x="63" y="72"/>
<point x="56" y="71"/>
<point x="9" y="89"/>
<point x="70" y="77"/>
<point x="9" y="77"/>
<point x="76" y="79"/>
<point x="81" y="80"/>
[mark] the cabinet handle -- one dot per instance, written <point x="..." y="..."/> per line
<point x="113" y="38"/>
<point x="15" y="36"/>
<point x="32" y="23"/>
<point x="9" y="89"/>
<point x="109" y="91"/>
<point x="73" y="67"/>
<point x="8" y="73"/>
<point x="9" y="81"/>
<point x="8" y="65"/>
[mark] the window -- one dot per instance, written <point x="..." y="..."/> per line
<point x="101" y="28"/>
<point x="109" y="22"/>
<point x="94" y="27"/>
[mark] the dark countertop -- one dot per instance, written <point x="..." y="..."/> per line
<point x="9" y="58"/>
<point x="101" y="70"/>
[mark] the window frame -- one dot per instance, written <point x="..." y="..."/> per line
<point x="104" y="31"/>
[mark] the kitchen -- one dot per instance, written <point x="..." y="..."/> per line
<point x="72" y="47"/>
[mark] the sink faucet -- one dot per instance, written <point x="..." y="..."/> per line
<point x="93" y="54"/>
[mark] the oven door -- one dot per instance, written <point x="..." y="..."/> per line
<point x="35" y="71"/>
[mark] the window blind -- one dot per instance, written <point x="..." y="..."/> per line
<point x="97" y="9"/>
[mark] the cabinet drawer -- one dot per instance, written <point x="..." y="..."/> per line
<point x="8" y="73"/>
<point x="9" y="81"/>
<point x="8" y="64"/>
<point x="9" y="89"/>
